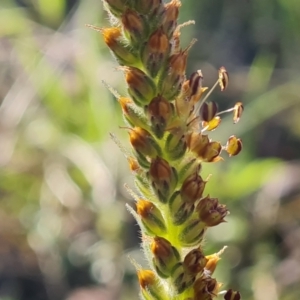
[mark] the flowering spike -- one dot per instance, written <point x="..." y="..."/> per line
<point x="167" y="115"/>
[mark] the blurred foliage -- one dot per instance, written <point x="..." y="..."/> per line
<point x="64" y="230"/>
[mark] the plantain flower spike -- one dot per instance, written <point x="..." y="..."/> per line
<point x="169" y="120"/>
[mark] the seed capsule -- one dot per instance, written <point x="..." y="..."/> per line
<point x="205" y="288"/>
<point x="156" y="51"/>
<point x="192" y="188"/>
<point x="151" y="217"/>
<point x="211" y="212"/>
<point x="166" y="257"/>
<point x="195" y="261"/>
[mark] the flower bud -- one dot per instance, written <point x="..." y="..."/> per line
<point x="132" y="113"/>
<point x="133" y="164"/>
<point x="223" y="78"/>
<point x="159" y="112"/>
<point x="192" y="188"/>
<point x="140" y="87"/>
<point x="192" y="233"/>
<point x="170" y="16"/>
<point x="163" y="178"/>
<point x="179" y="210"/>
<point x="208" y="111"/>
<point x="195" y="261"/>
<point x="233" y="146"/>
<point x="175" y="146"/>
<point x="151" y="217"/>
<point x="134" y="24"/>
<point x="190" y="166"/>
<point x="166" y="257"/>
<point x="182" y="279"/>
<point x="116" y="7"/>
<point x="232" y="295"/>
<point x="172" y="79"/>
<point x="211" y="212"/>
<point x="150" y="285"/>
<point x="143" y="185"/>
<point x="148" y="7"/>
<point x="113" y="39"/>
<point x="156" y="51"/>
<point x="143" y="143"/>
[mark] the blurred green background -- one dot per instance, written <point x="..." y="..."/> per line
<point x="64" y="229"/>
